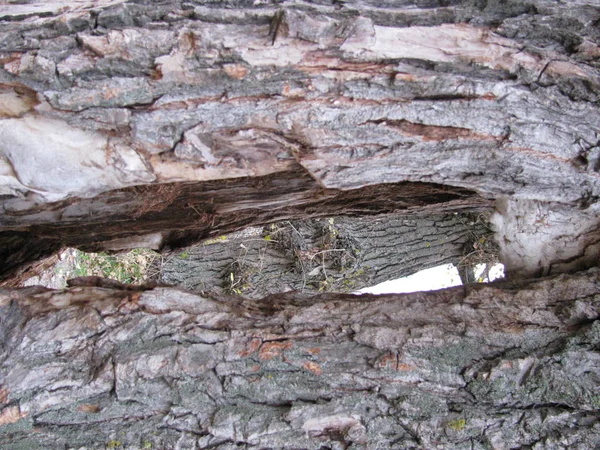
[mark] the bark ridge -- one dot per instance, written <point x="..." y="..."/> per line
<point x="489" y="366"/>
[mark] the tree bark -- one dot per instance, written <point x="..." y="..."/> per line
<point x="340" y="254"/>
<point x="498" y="366"/>
<point x="121" y="114"/>
<point x="127" y="124"/>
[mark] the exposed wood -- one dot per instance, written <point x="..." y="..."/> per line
<point x="500" y="99"/>
<point x="126" y="123"/>
<point x="178" y="214"/>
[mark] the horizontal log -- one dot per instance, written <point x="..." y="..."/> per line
<point x="500" y="365"/>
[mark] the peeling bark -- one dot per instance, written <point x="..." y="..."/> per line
<point x="489" y="366"/>
<point x="500" y="100"/>
<point x="159" y="124"/>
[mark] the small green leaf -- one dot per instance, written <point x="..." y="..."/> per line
<point x="268" y="237"/>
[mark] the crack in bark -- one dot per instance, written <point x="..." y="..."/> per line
<point x="458" y="400"/>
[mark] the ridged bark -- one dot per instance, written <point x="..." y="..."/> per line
<point x="126" y="114"/>
<point x="340" y="254"/>
<point x="127" y="124"/>
<point x="489" y="366"/>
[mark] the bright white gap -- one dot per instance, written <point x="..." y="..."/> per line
<point x="439" y="277"/>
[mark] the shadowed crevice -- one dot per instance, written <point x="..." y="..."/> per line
<point x="180" y="214"/>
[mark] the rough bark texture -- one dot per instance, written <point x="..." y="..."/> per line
<point x="500" y="99"/>
<point x="340" y="254"/>
<point x="126" y="124"/>
<point x="489" y="366"/>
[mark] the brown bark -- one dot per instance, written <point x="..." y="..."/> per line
<point x="488" y="366"/>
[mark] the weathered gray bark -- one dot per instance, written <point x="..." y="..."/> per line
<point x="126" y="124"/>
<point x="489" y="366"/>
<point x="340" y="254"/>
<point x="499" y="100"/>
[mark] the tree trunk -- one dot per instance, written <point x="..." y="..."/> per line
<point x="127" y="124"/>
<point x="340" y="254"/>
<point x="118" y="120"/>
<point x="488" y="366"/>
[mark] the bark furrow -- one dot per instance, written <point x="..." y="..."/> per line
<point x="488" y="366"/>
